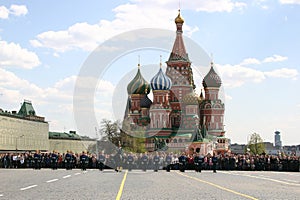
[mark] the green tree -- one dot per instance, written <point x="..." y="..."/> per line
<point x="256" y="144"/>
<point x="111" y="131"/>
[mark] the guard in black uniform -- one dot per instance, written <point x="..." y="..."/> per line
<point x="214" y="162"/>
<point x="168" y="162"/>
<point x="54" y="160"/>
<point x="101" y="161"/>
<point x="130" y="160"/>
<point x="182" y="162"/>
<point x="68" y="161"/>
<point x="144" y="162"/>
<point x="198" y="162"/>
<point x="84" y="161"/>
<point x="37" y="158"/>
<point x="118" y="159"/>
<point x="156" y="160"/>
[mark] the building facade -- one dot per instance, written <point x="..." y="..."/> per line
<point x="177" y="117"/>
<point x="23" y="130"/>
<point x="63" y="142"/>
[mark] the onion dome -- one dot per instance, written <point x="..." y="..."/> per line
<point x="161" y="81"/>
<point x="145" y="102"/>
<point x="191" y="99"/>
<point x="138" y="85"/>
<point x="212" y="79"/>
<point x="179" y="19"/>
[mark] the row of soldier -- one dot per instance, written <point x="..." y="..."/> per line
<point x="144" y="161"/>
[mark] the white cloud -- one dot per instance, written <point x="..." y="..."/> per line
<point x="275" y="58"/>
<point x="4" y="12"/>
<point x="228" y="97"/>
<point x="289" y="1"/>
<point x="250" y="61"/>
<point x="237" y="75"/>
<point x="283" y="73"/>
<point x="13" y="55"/>
<point x="129" y="16"/>
<point x="16" y="10"/>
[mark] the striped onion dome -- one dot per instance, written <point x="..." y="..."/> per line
<point x="138" y="85"/>
<point x="161" y="81"/>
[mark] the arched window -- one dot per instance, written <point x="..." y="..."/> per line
<point x="175" y="141"/>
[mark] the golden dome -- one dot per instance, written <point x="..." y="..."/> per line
<point x="179" y="19"/>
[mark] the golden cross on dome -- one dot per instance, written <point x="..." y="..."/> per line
<point x="160" y="64"/>
<point x="139" y="63"/>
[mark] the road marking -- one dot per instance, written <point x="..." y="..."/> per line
<point x="77" y="174"/>
<point x="1" y="195"/>
<point x="264" y="178"/>
<point x="26" y="188"/>
<point x="84" y="172"/>
<point x="67" y="176"/>
<point x="289" y="180"/>
<point x="122" y="186"/>
<point x="53" y="180"/>
<point x="218" y="186"/>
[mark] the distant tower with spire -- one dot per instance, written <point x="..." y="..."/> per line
<point x="278" y="143"/>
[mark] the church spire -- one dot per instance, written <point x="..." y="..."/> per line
<point x="178" y="51"/>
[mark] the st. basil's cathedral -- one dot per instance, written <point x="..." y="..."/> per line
<point x="177" y="119"/>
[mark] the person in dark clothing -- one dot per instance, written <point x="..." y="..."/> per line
<point x="198" y="162"/>
<point x="156" y="160"/>
<point x="37" y="158"/>
<point x="130" y="160"/>
<point x="118" y="159"/>
<point x="54" y="160"/>
<point x="214" y="163"/>
<point x="182" y="162"/>
<point x="68" y="161"/>
<point x="168" y="162"/>
<point x="144" y="162"/>
<point x="101" y="161"/>
<point x="84" y="161"/>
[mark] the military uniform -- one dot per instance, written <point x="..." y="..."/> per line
<point x="130" y="160"/>
<point x="182" y="162"/>
<point x="101" y="161"/>
<point x="37" y="158"/>
<point x="214" y="163"/>
<point x="68" y="161"/>
<point x="198" y="162"/>
<point x="144" y="162"/>
<point x="84" y="161"/>
<point x="168" y="162"/>
<point x="54" y="160"/>
<point x="156" y="160"/>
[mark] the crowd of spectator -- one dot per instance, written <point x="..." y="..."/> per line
<point x="136" y="160"/>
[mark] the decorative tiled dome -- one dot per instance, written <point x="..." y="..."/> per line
<point x="212" y="79"/>
<point x="191" y="99"/>
<point x="145" y="102"/>
<point x="138" y="85"/>
<point x="161" y="81"/>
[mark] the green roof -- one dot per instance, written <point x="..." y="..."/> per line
<point x="26" y="109"/>
<point x="67" y="136"/>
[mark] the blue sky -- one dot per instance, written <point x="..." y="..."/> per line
<point x="255" y="46"/>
